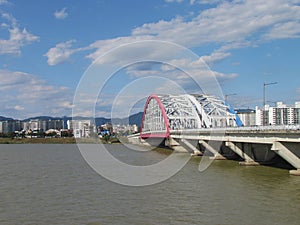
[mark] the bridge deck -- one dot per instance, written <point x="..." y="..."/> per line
<point x="239" y="135"/>
<point x="284" y="141"/>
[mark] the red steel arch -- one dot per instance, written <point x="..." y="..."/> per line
<point x="165" y="117"/>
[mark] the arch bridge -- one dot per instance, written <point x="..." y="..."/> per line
<point x="203" y="122"/>
<point x="164" y="114"/>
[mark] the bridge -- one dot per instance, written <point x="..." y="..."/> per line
<point x="207" y="125"/>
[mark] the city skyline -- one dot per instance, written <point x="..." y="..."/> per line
<point x="46" y="47"/>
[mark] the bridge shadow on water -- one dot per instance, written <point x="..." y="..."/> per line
<point x="261" y="154"/>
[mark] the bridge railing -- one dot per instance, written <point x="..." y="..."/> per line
<point x="250" y="128"/>
<point x="233" y="129"/>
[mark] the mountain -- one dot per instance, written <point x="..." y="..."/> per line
<point x="136" y="119"/>
<point x="42" y="118"/>
<point x="2" y="118"/>
<point x="132" y="119"/>
<point x="101" y="120"/>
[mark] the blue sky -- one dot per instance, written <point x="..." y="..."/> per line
<point x="47" y="46"/>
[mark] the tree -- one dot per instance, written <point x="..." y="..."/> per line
<point x="106" y="137"/>
<point x="11" y="135"/>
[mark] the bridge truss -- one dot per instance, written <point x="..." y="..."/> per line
<point x="165" y="113"/>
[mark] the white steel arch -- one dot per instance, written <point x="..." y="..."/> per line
<point x="180" y="112"/>
<point x="163" y="113"/>
<point x="215" y="110"/>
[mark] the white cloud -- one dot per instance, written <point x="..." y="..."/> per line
<point x="9" y="18"/>
<point x="26" y="95"/>
<point x="17" y="37"/>
<point x="289" y="29"/>
<point x="185" y="73"/>
<point x="104" y="46"/>
<point x="61" y="53"/>
<point x="169" y="1"/>
<point x="61" y="14"/>
<point x="208" y="2"/>
<point x="19" y="108"/>
<point x="66" y="104"/>
<point x="228" y="22"/>
<point x="4" y="2"/>
<point x="216" y="56"/>
<point x="231" y="25"/>
<point x="4" y="25"/>
<point x="223" y="52"/>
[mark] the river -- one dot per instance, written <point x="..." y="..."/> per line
<point x="52" y="184"/>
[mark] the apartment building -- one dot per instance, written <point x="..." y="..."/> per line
<point x="280" y="114"/>
<point x="81" y="128"/>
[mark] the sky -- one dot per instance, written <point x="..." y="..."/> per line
<point x="107" y="55"/>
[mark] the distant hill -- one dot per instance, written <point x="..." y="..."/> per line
<point x="42" y="118"/>
<point x="136" y="119"/>
<point x="101" y="120"/>
<point x="2" y="118"/>
<point x="133" y="119"/>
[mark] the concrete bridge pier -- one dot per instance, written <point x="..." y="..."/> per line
<point x="217" y="155"/>
<point x="196" y="152"/>
<point x="248" y="160"/>
<point x="143" y="142"/>
<point x="173" y="144"/>
<point x="295" y="172"/>
<point x="288" y="155"/>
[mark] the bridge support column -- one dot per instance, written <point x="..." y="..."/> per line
<point x="248" y="160"/>
<point x="286" y="154"/>
<point x="216" y="154"/>
<point x="195" y="150"/>
<point x="172" y="143"/>
<point x="143" y="142"/>
<point x="295" y="172"/>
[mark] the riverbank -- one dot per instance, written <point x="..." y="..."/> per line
<point x="70" y="140"/>
<point x="66" y="140"/>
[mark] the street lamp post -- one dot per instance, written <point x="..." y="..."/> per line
<point x="264" y="99"/>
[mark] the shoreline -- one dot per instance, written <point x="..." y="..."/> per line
<point x="67" y="140"/>
<point x="37" y="141"/>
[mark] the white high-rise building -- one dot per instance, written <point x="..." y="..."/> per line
<point x="247" y="116"/>
<point x="81" y="128"/>
<point x="43" y="125"/>
<point x="10" y="126"/>
<point x="281" y="114"/>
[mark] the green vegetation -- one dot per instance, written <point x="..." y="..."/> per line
<point x="7" y="140"/>
<point x="109" y="139"/>
<point x="56" y="140"/>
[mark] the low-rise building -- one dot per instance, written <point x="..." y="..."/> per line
<point x="125" y="129"/>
